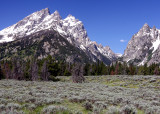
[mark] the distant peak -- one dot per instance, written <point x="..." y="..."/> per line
<point x="146" y="25"/>
<point x="70" y="17"/>
<point x="56" y="15"/>
<point x="154" y="28"/>
<point x="119" y="54"/>
<point x="146" y="28"/>
<point x="56" y="12"/>
<point x="45" y="11"/>
<point x="107" y="47"/>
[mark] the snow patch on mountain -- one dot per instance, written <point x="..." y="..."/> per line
<point x="156" y="44"/>
<point x="70" y="28"/>
<point x="144" y="46"/>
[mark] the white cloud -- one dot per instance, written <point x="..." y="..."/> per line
<point x="122" y="41"/>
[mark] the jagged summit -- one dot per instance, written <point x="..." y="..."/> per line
<point x="145" y="25"/>
<point x="56" y="13"/>
<point x="146" y="28"/>
<point x="70" y="28"/>
<point x="154" y="28"/>
<point x="46" y="10"/>
<point x="70" y="17"/>
<point x="144" y="47"/>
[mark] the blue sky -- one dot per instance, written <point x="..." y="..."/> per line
<point x="109" y="22"/>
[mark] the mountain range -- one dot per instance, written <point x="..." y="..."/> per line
<point x="42" y="33"/>
<point x="42" y="23"/>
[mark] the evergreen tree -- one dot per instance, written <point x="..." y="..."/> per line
<point x="103" y="69"/>
<point x="146" y="71"/>
<point x="87" y="69"/>
<point x="53" y="67"/>
<point x="141" y="70"/>
<point x="1" y="74"/>
<point x="131" y="69"/>
<point x="67" y="73"/>
<point x="112" y="69"/>
<point x="27" y="66"/>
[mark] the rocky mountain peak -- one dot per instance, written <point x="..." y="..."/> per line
<point x="107" y="47"/>
<point x="154" y="28"/>
<point x="56" y="15"/>
<point x="70" y="28"/>
<point x="45" y="11"/>
<point x="143" y="47"/>
<point x="70" y="17"/>
<point x="40" y="14"/>
<point x="146" y="28"/>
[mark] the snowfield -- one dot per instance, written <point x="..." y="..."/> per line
<point x="98" y="95"/>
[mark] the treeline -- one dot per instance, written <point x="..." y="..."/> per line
<point x="120" y="68"/>
<point x="48" y="68"/>
<point x="33" y="69"/>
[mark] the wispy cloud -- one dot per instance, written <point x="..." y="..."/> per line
<point x="123" y="41"/>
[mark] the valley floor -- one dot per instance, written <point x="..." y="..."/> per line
<point x="98" y="95"/>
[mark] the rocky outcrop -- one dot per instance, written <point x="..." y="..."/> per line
<point x="143" y="47"/>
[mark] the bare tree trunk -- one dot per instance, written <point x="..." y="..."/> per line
<point x="34" y="71"/>
<point x="77" y="73"/>
<point x="44" y="72"/>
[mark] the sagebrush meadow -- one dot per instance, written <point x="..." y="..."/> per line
<point x="98" y="95"/>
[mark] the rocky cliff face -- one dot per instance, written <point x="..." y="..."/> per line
<point x="40" y="45"/>
<point x="69" y="28"/>
<point x="144" y="47"/>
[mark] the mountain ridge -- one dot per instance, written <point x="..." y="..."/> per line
<point x="70" y="28"/>
<point x="144" y="47"/>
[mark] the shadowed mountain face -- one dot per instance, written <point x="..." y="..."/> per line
<point x="144" y="47"/>
<point x="42" y="44"/>
<point x="70" y="28"/>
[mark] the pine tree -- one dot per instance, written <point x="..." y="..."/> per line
<point x="146" y="72"/>
<point x="1" y="74"/>
<point x="86" y="69"/>
<point x="112" y="69"/>
<point x="53" y="67"/>
<point x="131" y="69"/>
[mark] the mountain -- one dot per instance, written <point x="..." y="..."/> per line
<point x="144" y="47"/>
<point x="69" y="28"/>
<point x="40" y="45"/>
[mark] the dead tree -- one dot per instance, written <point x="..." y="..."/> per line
<point x="18" y="67"/>
<point x="77" y="73"/>
<point x="34" y="71"/>
<point x="44" y="72"/>
<point x="1" y="74"/>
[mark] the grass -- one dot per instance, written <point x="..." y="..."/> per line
<point x="75" y="106"/>
<point x="38" y="109"/>
<point x="106" y="90"/>
<point x="140" y="112"/>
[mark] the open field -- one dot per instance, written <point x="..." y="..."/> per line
<point x="98" y="95"/>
